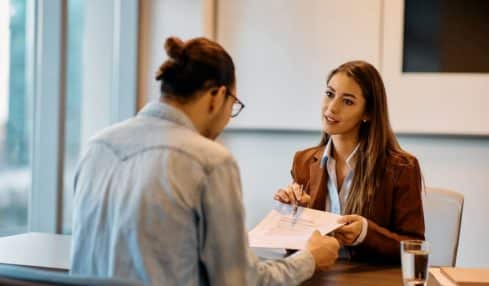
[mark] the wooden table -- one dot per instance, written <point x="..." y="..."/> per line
<point x="347" y="273"/>
<point x="52" y="251"/>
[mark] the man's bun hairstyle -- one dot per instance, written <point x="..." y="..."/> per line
<point x="194" y="65"/>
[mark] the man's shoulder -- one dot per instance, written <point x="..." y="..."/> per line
<point x="112" y="132"/>
<point x="138" y="135"/>
<point x="209" y="152"/>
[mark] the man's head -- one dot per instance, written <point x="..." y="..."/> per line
<point x="199" y="79"/>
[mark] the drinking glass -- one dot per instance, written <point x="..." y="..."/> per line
<point x="414" y="261"/>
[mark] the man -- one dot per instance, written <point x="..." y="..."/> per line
<point x="158" y="201"/>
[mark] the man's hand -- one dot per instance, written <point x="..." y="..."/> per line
<point x="324" y="249"/>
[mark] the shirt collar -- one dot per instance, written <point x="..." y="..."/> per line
<point x="350" y="161"/>
<point x="165" y="111"/>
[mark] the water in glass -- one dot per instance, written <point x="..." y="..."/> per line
<point x="414" y="267"/>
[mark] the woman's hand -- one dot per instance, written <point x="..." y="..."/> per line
<point x="291" y="194"/>
<point x="349" y="233"/>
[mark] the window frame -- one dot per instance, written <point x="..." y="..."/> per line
<point x="47" y="48"/>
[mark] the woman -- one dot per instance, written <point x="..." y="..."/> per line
<point x="359" y="170"/>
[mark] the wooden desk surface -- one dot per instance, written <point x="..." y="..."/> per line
<point x="346" y="273"/>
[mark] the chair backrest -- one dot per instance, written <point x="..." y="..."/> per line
<point x="27" y="276"/>
<point x="443" y="217"/>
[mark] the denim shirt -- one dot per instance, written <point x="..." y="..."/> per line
<point x="157" y="202"/>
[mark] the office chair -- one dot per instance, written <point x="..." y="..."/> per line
<point x="25" y="276"/>
<point x="443" y="217"/>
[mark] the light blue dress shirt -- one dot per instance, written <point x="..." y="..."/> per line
<point x="336" y="199"/>
<point x="158" y="203"/>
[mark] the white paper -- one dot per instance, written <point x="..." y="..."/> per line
<point x="281" y="229"/>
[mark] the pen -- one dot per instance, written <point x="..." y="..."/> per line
<point x="296" y="200"/>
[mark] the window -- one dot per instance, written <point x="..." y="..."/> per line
<point x="67" y="70"/>
<point x="100" y="80"/>
<point x="74" y="92"/>
<point x="15" y="119"/>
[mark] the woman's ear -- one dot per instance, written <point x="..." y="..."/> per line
<point x="366" y="118"/>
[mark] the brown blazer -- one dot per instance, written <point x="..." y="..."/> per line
<point x="397" y="211"/>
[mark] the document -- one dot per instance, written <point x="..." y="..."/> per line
<point x="281" y="228"/>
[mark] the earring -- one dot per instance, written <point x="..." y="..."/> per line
<point x="365" y="121"/>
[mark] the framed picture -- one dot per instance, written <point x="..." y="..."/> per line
<point x="429" y="92"/>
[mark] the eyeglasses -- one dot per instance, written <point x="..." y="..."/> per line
<point x="237" y="105"/>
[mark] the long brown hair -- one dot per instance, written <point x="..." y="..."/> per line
<point x="377" y="140"/>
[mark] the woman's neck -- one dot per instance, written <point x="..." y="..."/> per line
<point x="343" y="146"/>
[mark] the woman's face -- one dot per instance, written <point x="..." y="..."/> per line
<point x="343" y="106"/>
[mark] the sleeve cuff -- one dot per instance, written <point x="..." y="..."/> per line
<point x="304" y="263"/>
<point x="363" y="233"/>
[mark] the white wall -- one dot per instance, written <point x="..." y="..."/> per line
<point x="284" y="49"/>
<point x="161" y="19"/>
<point x="457" y="163"/>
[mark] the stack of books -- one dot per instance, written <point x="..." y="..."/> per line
<point x="454" y="276"/>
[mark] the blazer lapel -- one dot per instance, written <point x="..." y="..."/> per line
<point x="317" y="182"/>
